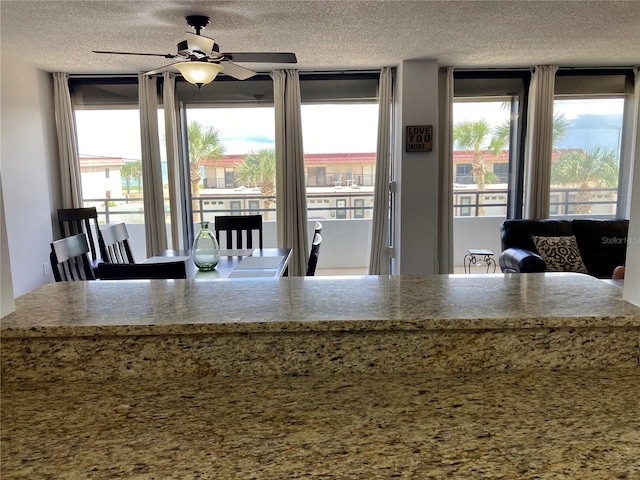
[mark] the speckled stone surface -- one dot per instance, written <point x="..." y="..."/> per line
<point x="516" y="425"/>
<point x="297" y="326"/>
<point x="483" y="377"/>
<point x="449" y="302"/>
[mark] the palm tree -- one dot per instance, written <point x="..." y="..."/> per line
<point x="586" y="169"/>
<point x="258" y="169"/>
<point x="474" y="136"/>
<point x="204" y="144"/>
<point x="560" y="127"/>
<point x="131" y="171"/>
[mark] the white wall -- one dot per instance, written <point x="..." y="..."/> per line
<point x="416" y="173"/>
<point x="7" y="303"/>
<point x="632" y="271"/>
<point x="28" y="166"/>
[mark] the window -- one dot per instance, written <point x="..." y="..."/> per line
<point x="590" y="159"/>
<point x="109" y="152"/>
<point x="108" y="131"/>
<point x="464" y="210"/>
<point x="488" y="156"/>
<point x="481" y="133"/>
<point x="341" y="209"/>
<point x="359" y="210"/>
<point x="316" y="176"/>
<point x="236" y="164"/>
<point x="501" y="171"/>
<point x="340" y="130"/>
<point x="254" y="207"/>
<point x="586" y="157"/>
<point x="229" y="178"/>
<point x="463" y="173"/>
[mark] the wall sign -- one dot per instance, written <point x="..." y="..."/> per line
<point x="418" y="138"/>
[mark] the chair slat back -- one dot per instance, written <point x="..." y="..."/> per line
<point x="142" y="271"/>
<point x="313" y="256"/>
<point x="69" y="259"/>
<point x="73" y="221"/>
<point x="239" y="227"/>
<point x="114" y="244"/>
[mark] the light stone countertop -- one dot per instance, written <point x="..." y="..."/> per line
<point x="516" y="425"/>
<point x="461" y="376"/>
<point x="162" y="307"/>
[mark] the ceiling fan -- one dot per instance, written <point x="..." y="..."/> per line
<point x="199" y="60"/>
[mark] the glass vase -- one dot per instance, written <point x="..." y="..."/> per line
<point x="206" y="251"/>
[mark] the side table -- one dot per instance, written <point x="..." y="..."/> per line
<point x="474" y="256"/>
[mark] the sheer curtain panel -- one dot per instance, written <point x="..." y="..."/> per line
<point x="539" y="142"/>
<point x="172" y="141"/>
<point x="291" y="195"/>
<point x="380" y="237"/>
<point x="445" y="160"/>
<point x="67" y="143"/>
<point x="153" y="199"/>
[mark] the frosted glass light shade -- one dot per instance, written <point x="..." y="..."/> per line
<point x="199" y="73"/>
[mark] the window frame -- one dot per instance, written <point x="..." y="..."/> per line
<point x="478" y="84"/>
<point x="591" y="83"/>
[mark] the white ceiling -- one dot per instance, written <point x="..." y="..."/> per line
<point x="60" y="35"/>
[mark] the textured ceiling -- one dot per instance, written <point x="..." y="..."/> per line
<point x="60" y="35"/>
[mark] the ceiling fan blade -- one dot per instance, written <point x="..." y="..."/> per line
<point x="262" y="57"/>
<point x="236" y="71"/>
<point x="200" y="43"/>
<point x="160" y="69"/>
<point x="165" y="55"/>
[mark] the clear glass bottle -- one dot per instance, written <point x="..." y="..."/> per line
<point x="206" y="251"/>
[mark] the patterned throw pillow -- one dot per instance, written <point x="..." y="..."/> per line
<point x="561" y="254"/>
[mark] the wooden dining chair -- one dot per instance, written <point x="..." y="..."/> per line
<point x="239" y="227"/>
<point x="73" y="221"/>
<point x="114" y="244"/>
<point x="142" y="271"/>
<point x="313" y="256"/>
<point x="70" y="260"/>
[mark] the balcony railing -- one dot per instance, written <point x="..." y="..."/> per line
<point x="563" y="201"/>
<point x="342" y="205"/>
<point x="471" y="231"/>
<point x="351" y="204"/>
<point x="327" y="180"/>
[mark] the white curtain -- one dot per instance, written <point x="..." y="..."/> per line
<point x="172" y="141"/>
<point x="445" y="170"/>
<point x="67" y="143"/>
<point x="154" y="219"/>
<point x="539" y="142"/>
<point x="632" y="271"/>
<point x="291" y="194"/>
<point x="379" y="259"/>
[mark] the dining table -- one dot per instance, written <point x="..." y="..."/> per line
<point x="233" y="263"/>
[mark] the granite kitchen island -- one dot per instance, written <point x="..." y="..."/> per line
<point x="488" y="376"/>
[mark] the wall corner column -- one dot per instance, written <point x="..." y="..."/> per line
<point x="416" y="173"/>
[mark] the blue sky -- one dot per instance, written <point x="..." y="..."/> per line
<point x="354" y="128"/>
<point x="326" y="129"/>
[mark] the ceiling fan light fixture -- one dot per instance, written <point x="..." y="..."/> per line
<point x="199" y="73"/>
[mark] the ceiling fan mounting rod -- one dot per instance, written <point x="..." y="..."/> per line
<point x="198" y="22"/>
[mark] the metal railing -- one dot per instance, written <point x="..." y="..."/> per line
<point x="467" y="203"/>
<point x="328" y="180"/>
<point x="354" y="205"/>
<point x="347" y="205"/>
